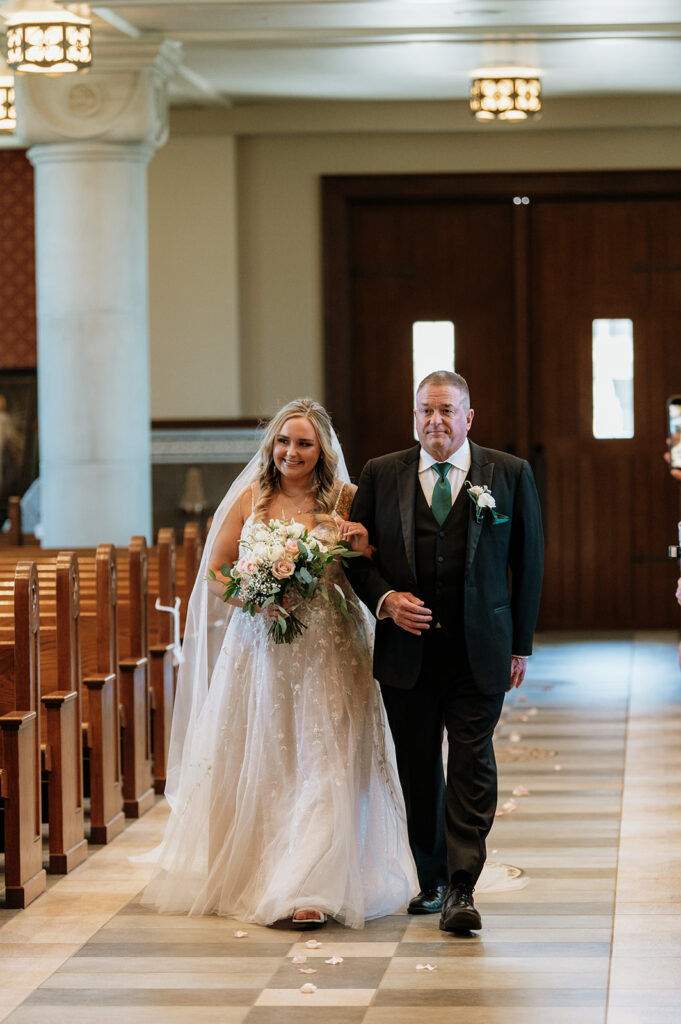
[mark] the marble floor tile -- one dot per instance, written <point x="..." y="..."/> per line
<point x="135" y="1015"/>
<point x="455" y="1014"/>
<point x="321" y="998"/>
<point x="306" y="1014"/>
<point x="329" y="947"/>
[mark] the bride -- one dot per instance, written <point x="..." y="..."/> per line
<point x="284" y="795"/>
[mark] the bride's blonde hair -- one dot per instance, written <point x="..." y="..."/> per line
<point x="327" y="463"/>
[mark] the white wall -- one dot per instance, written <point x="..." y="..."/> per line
<point x="193" y="290"/>
<point x="282" y="151"/>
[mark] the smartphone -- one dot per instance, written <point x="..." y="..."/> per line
<point x="674" y="430"/>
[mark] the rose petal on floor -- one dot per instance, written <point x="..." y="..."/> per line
<point x="308" y="988"/>
<point x="521" y="791"/>
<point x="333" y="960"/>
<point x="313" y="944"/>
<point x="425" y="967"/>
<point x="299" y="960"/>
<point x="240" y="935"/>
<point x="307" y="970"/>
<point x="514" y="737"/>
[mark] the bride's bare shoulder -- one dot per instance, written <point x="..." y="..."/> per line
<point x="345" y="494"/>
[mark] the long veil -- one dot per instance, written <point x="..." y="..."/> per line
<point x="206" y="623"/>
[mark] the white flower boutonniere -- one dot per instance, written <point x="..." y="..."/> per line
<point x="481" y="496"/>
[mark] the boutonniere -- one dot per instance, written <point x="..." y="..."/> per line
<point x="481" y="496"/>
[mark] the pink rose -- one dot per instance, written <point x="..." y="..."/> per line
<point x="291" y="546"/>
<point x="246" y="566"/>
<point x="283" y="569"/>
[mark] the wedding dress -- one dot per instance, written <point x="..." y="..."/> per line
<point x="288" y="795"/>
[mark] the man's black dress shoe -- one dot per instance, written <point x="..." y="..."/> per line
<point x="428" y="901"/>
<point x="458" y="912"/>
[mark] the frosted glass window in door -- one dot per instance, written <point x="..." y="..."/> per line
<point x="432" y="349"/>
<point x="613" y="378"/>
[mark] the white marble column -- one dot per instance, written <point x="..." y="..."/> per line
<point x="91" y="139"/>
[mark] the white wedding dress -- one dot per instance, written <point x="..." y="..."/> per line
<point x="288" y="795"/>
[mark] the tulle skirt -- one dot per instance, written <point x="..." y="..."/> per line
<point x="289" y="796"/>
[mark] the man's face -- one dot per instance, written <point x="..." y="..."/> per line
<point x="442" y="419"/>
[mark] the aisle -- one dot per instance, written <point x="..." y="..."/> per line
<point x="594" y="737"/>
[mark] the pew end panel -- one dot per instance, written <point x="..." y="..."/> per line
<point x="20" y="744"/>
<point x="138" y="791"/>
<point x="107" y="819"/>
<point x="25" y="877"/>
<point x="68" y="846"/>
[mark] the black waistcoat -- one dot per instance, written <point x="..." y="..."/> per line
<point x="441" y="559"/>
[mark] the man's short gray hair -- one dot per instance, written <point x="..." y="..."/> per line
<point x="447" y="378"/>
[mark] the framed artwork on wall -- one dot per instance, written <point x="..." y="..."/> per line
<point x="18" y="433"/>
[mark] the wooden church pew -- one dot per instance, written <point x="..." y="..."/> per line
<point x="20" y="756"/>
<point x="61" y="696"/>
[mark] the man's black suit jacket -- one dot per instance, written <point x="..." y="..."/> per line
<point x="503" y="573"/>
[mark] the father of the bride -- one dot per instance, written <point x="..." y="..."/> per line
<point x="454" y="583"/>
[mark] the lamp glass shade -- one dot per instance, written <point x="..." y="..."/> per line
<point x="8" y="115"/>
<point x="50" y="40"/>
<point x="507" y="98"/>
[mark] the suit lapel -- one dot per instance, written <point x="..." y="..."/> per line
<point x="481" y="473"/>
<point x="407" y="478"/>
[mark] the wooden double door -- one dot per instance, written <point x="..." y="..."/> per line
<point x="523" y="265"/>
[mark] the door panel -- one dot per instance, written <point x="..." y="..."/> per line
<point x="425" y="261"/>
<point x="606" y="538"/>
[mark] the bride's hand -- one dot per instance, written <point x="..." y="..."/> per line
<point x="356" y="535"/>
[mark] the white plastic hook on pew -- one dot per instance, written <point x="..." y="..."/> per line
<point x="178" y="657"/>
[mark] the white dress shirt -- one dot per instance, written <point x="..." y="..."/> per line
<point x="460" y="463"/>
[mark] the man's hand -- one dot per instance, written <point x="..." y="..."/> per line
<point x="518" y="668"/>
<point x="407" y="612"/>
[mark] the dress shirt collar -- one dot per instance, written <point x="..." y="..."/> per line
<point x="461" y="458"/>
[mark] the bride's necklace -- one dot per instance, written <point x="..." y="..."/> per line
<point x="301" y="499"/>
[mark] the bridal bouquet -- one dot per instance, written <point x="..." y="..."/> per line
<point x="281" y="560"/>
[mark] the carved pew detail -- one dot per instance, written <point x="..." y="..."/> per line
<point x="103" y="701"/>
<point x="163" y="671"/>
<point x="20" y="788"/>
<point x="138" y="794"/>
<point x="63" y="755"/>
<point x="190" y="564"/>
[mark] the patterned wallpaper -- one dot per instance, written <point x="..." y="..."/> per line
<point x="17" y="261"/>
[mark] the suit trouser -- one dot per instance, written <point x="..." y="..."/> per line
<point x="448" y="821"/>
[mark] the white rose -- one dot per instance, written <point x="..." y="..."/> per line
<point x="259" y="551"/>
<point x="485" y="500"/>
<point x="277" y="552"/>
<point x="476" y="490"/>
<point x="261" y="534"/>
<point x="295" y="530"/>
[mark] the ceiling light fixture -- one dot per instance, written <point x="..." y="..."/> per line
<point x="505" y="94"/>
<point x="46" y="38"/>
<point x="8" y="117"/>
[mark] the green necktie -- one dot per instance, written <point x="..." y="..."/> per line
<point x="442" y="493"/>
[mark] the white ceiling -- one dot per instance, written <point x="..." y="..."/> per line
<point x="405" y="49"/>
